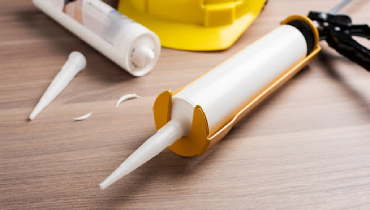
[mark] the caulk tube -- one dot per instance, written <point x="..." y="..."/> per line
<point x="223" y="91"/>
<point x="127" y="43"/>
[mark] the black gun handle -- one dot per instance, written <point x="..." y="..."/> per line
<point x="350" y="48"/>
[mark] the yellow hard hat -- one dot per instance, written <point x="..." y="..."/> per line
<point x="199" y="25"/>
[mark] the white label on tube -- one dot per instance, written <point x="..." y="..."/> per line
<point x="101" y="6"/>
<point x="95" y="15"/>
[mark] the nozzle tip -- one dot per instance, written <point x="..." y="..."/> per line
<point x="102" y="186"/>
<point x="33" y="115"/>
<point x="143" y="56"/>
<point x="78" y="59"/>
<point x="107" y="182"/>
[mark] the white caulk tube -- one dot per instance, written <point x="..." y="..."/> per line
<point x="76" y="62"/>
<point x="127" y="43"/>
<point x="223" y="91"/>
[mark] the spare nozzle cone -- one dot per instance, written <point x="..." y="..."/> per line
<point x="75" y="63"/>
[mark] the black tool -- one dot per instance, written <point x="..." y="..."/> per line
<point x="338" y="31"/>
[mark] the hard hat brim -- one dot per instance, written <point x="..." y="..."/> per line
<point x="190" y="36"/>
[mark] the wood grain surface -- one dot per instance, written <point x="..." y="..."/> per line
<point x="306" y="147"/>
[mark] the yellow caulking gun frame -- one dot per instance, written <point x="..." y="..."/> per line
<point x="199" y="139"/>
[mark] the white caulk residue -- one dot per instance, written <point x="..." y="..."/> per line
<point x="82" y="117"/>
<point x="126" y="97"/>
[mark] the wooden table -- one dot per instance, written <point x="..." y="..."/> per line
<point x="307" y="147"/>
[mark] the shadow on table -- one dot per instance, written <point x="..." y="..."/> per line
<point x="326" y="59"/>
<point x="166" y="166"/>
<point x="165" y="169"/>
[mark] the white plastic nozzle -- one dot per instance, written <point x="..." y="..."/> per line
<point x="143" y="56"/>
<point x="166" y="136"/>
<point x="75" y="63"/>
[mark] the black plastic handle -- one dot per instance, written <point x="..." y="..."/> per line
<point x="338" y="31"/>
<point x="343" y="43"/>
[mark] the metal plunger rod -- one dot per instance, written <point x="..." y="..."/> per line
<point x="339" y="6"/>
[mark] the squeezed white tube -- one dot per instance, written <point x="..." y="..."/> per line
<point x="224" y="90"/>
<point x="76" y="62"/>
<point x="127" y="43"/>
